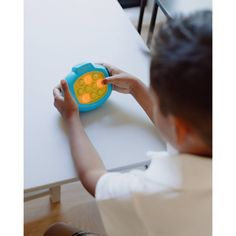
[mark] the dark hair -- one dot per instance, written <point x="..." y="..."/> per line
<point x="181" y="70"/>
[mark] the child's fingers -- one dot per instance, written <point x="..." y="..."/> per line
<point x="58" y="103"/>
<point x="112" y="79"/>
<point x="108" y="66"/>
<point x="57" y="93"/>
<point x="65" y="89"/>
<point x="58" y="98"/>
<point x="59" y="87"/>
<point x="111" y="69"/>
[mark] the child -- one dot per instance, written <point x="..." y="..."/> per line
<point x="179" y="103"/>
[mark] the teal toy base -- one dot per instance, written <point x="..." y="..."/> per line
<point x="76" y="73"/>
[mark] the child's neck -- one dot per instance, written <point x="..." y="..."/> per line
<point x="201" y="152"/>
<point x="199" y="148"/>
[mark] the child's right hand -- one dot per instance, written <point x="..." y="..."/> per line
<point x="65" y="104"/>
<point x="120" y="80"/>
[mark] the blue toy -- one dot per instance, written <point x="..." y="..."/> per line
<point x="85" y="84"/>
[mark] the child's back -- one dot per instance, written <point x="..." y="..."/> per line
<point x="179" y="212"/>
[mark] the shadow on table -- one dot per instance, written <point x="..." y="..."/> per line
<point x="113" y="115"/>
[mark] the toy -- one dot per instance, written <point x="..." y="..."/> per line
<point x="85" y="84"/>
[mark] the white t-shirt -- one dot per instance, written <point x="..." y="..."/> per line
<point x="171" y="198"/>
<point x="163" y="174"/>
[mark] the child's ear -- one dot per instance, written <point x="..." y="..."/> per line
<point x="181" y="130"/>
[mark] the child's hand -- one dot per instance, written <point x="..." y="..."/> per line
<point x="64" y="104"/>
<point x="120" y="80"/>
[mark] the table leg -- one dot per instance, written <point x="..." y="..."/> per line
<point x="55" y="194"/>
<point x="140" y="20"/>
<point x="152" y="24"/>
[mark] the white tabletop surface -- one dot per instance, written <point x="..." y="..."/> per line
<point x="58" y="35"/>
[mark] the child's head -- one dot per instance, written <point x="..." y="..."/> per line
<point x="181" y="81"/>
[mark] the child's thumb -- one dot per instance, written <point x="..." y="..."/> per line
<point x="65" y="88"/>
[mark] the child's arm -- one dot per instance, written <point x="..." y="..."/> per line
<point x="88" y="163"/>
<point x="126" y="83"/>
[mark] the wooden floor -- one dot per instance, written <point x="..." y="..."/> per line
<point x="77" y="208"/>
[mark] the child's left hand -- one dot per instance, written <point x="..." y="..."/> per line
<point x="65" y="104"/>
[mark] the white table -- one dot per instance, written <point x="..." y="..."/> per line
<point x="58" y="35"/>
